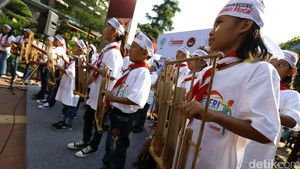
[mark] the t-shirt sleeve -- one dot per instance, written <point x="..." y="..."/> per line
<point x="292" y="107"/>
<point x="115" y="61"/>
<point x="259" y="102"/>
<point x="140" y="89"/>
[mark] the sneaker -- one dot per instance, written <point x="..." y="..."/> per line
<point x="43" y="101"/>
<point x="65" y="127"/>
<point x="44" y="106"/>
<point x="77" y="145"/>
<point x="3" y="75"/>
<point x="60" y="123"/>
<point x="85" y="152"/>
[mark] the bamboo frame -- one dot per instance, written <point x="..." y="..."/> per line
<point x="165" y="141"/>
<point x="81" y="78"/>
<point x="100" y="112"/>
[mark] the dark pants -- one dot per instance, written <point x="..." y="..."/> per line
<point x="89" y="124"/>
<point x="141" y="115"/>
<point x="44" y="72"/>
<point x="14" y="66"/>
<point x="26" y="72"/>
<point x="53" y="90"/>
<point x="69" y="112"/>
<point x="117" y="140"/>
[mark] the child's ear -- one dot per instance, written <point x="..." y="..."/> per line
<point x="292" y="72"/>
<point x="246" y="25"/>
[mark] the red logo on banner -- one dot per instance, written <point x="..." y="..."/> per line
<point x="175" y="42"/>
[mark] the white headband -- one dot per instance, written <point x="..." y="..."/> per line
<point x="291" y="57"/>
<point x="81" y="44"/>
<point x="61" y="39"/>
<point x="9" y="27"/>
<point x="249" y="9"/>
<point x="117" y="25"/>
<point x="50" y="38"/>
<point x="27" y="30"/>
<point x="272" y="48"/>
<point x="185" y="50"/>
<point x="144" y="43"/>
<point x="199" y="53"/>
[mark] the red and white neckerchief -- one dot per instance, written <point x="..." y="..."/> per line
<point x="199" y="90"/>
<point x="6" y="39"/>
<point x="181" y="65"/>
<point x="100" y="58"/>
<point x="284" y="86"/>
<point x="125" y="74"/>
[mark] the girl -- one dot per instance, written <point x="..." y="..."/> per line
<point x="112" y="54"/>
<point x="66" y="88"/>
<point x="129" y="94"/>
<point x="289" y="109"/>
<point x="245" y="92"/>
<point x="6" y="39"/>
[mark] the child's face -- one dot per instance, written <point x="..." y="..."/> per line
<point x="108" y="33"/>
<point x="180" y="55"/>
<point x="224" y="35"/>
<point x="199" y="64"/>
<point x="283" y="68"/>
<point x="5" y="30"/>
<point x="76" y="49"/>
<point x="137" y="53"/>
<point x="49" y="43"/>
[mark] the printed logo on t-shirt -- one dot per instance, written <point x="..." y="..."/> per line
<point x="123" y="90"/>
<point x="218" y="103"/>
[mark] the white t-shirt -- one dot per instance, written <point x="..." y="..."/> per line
<point x="183" y="69"/>
<point x="248" y="91"/>
<point x="4" y="41"/>
<point x="136" y="88"/>
<point x="67" y="86"/>
<point x="186" y="80"/>
<point x="19" y="39"/>
<point x="289" y="105"/>
<point x="114" y="60"/>
<point x="41" y="45"/>
<point x="57" y="54"/>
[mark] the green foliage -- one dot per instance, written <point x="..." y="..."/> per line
<point x="163" y="19"/>
<point x="15" y="14"/>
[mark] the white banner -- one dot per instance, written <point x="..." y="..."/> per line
<point x="169" y="43"/>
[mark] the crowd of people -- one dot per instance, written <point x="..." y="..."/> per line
<point x="251" y="101"/>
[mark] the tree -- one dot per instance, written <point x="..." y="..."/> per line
<point x="163" y="19"/>
<point x="16" y="14"/>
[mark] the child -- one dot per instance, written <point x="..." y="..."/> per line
<point x="182" y="53"/>
<point x="66" y="88"/>
<point x="43" y="69"/>
<point x="289" y="109"/>
<point x="185" y="81"/>
<point x="115" y="34"/>
<point x="59" y="55"/>
<point x="6" y="40"/>
<point x="129" y="94"/>
<point x="245" y="93"/>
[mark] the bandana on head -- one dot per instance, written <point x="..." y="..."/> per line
<point x="291" y="57"/>
<point x="272" y="48"/>
<point x="117" y="25"/>
<point x="184" y="50"/>
<point x="81" y="44"/>
<point x="248" y="9"/>
<point x="144" y="43"/>
<point x="61" y="40"/>
<point x="50" y="38"/>
<point x="9" y="27"/>
<point x="199" y="53"/>
<point x="27" y="30"/>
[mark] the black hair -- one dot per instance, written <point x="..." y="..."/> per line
<point x="9" y="33"/>
<point x="253" y="47"/>
<point x="123" y="39"/>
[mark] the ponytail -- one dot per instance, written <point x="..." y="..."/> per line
<point x="123" y="39"/>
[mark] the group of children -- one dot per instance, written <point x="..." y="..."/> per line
<point x="251" y="97"/>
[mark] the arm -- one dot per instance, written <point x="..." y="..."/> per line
<point x="287" y="121"/>
<point x="121" y="100"/>
<point x="240" y="127"/>
<point x="60" y="68"/>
